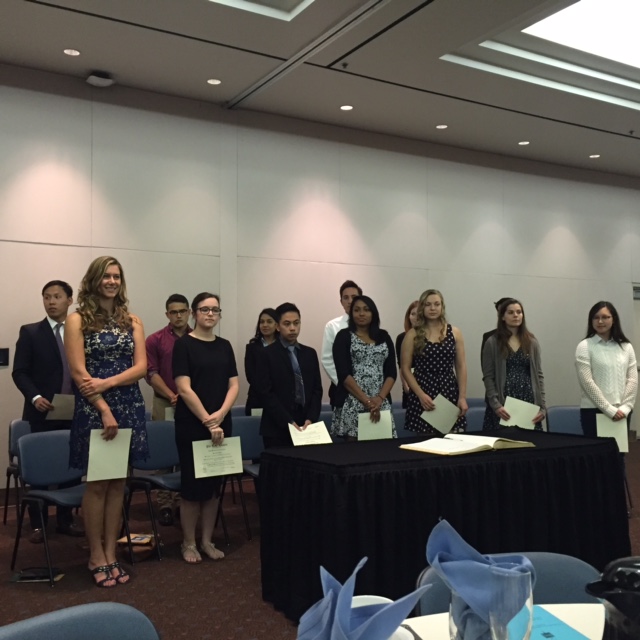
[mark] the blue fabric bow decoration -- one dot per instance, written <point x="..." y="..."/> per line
<point x="468" y="572"/>
<point x="332" y="618"/>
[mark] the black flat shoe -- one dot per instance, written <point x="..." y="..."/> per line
<point x="165" y="517"/>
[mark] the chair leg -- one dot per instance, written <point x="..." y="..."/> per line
<point x="220" y="516"/>
<point x="233" y="492"/>
<point x="244" y="506"/>
<point x="46" y="547"/>
<point x="18" y="487"/>
<point x="18" y="535"/>
<point x="626" y="486"/>
<point x="125" y="525"/>
<point x="147" y="491"/>
<point x="6" y="496"/>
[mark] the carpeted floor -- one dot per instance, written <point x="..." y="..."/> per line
<point x="210" y="601"/>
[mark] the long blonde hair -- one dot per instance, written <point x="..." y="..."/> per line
<point x="420" y="341"/>
<point x="94" y="317"/>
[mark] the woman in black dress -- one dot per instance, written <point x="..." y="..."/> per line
<point x="204" y="369"/>
<point x="410" y="319"/>
<point x="266" y="334"/>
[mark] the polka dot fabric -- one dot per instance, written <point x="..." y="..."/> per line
<point x="434" y="372"/>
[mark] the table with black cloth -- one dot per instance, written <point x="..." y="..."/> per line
<point x="331" y="505"/>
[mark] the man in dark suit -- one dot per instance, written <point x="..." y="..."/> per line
<point x="288" y="382"/>
<point x="40" y="371"/>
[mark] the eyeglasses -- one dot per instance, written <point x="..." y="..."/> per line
<point x="178" y="312"/>
<point x="216" y="311"/>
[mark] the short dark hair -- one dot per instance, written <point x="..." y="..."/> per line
<point x="66" y="287"/>
<point x="174" y="298"/>
<point x="203" y="296"/>
<point x="287" y="307"/>
<point x="500" y="302"/>
<point x="349" y="284"/>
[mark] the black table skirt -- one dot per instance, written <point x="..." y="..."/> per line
<point x="331" y="505"/>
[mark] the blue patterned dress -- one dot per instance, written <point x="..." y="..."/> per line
<point x="107" y="353"/>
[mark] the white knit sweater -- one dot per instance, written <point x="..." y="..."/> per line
<point x="608" y="375"/>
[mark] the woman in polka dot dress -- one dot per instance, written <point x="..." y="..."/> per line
<point x="433" y="363"/>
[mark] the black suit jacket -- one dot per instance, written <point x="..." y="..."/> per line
<point x="276" y="387"/>
<point x="37" y="367"/>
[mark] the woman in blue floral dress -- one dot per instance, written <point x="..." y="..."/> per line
<point x="106" y="353"/>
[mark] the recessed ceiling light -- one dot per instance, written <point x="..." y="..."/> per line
<point x="214" y="81"/>
<point x="442" y="126"/>
<point x="595" y="155"/>
<point x="346" y="107"/>
<point x="524" y="143"/>
<point x="71" y="52"/>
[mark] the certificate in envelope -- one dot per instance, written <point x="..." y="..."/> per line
<point x="315" y="433"/>
<point x="608" y="428"/>
<point x="368" y="430"/>
<point x="211" y="460"/>
<point x="522" y="413"/>
<point x="108" y="459"/>
<point x="444" y="416"/>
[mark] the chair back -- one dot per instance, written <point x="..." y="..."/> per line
<point x="476" y="402"/>
<point x="17" y="429"/>
<point x="564" y="419"/>
<point x="398" y="418"/>
<point x="327" y="418"/>
<point x="44" y="459"/>
<point x="163" y="452"/>
<point x="560" y="579"/>
<point x="475" y="418"/>
<point x="248" y="428"/>
<point x="326" y="406"/>
<point x="99" y="620"/>
<point x="237" y="410"/>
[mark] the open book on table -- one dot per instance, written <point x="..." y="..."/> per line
<point x="454" y="444"/>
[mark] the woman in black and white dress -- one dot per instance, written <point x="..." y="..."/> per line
<point x="365" y="363"/>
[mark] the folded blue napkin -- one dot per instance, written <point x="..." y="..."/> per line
<point x="468" y="572"/>
<point x="332" y="618"/>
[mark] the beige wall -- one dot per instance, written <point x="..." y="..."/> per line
<point x="264" y="210"/>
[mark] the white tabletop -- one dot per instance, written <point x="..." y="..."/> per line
<point x="588" y="619"/>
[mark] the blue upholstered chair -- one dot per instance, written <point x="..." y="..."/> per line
<point x="44" y="461"/>
<point x="98" y="621"/>
<point x="17" y="429"/>
<point x="564" y="419"/>
<point x="559" y="579"/>
<point x="475" y="418"/>
<point x="476" y="402"/>
<point x="247" y="428"/>
<point x="163" y="454"/>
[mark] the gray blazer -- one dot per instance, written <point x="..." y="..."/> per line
<point x="494" y="374"/>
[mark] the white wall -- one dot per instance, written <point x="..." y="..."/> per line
<point x="266" y="210"/>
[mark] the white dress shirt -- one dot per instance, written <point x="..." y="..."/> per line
<point x="608" y="375"/>
<point x="330" y="332"/>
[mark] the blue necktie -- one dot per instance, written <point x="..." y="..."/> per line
<point x="66" y="375"/>
<point x="298" y="375"/>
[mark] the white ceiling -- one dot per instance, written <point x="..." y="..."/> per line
<point x="381" y="56"/>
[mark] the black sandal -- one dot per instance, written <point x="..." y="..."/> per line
<point x="101" y="583"/>
<point x="123" y="574"/>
